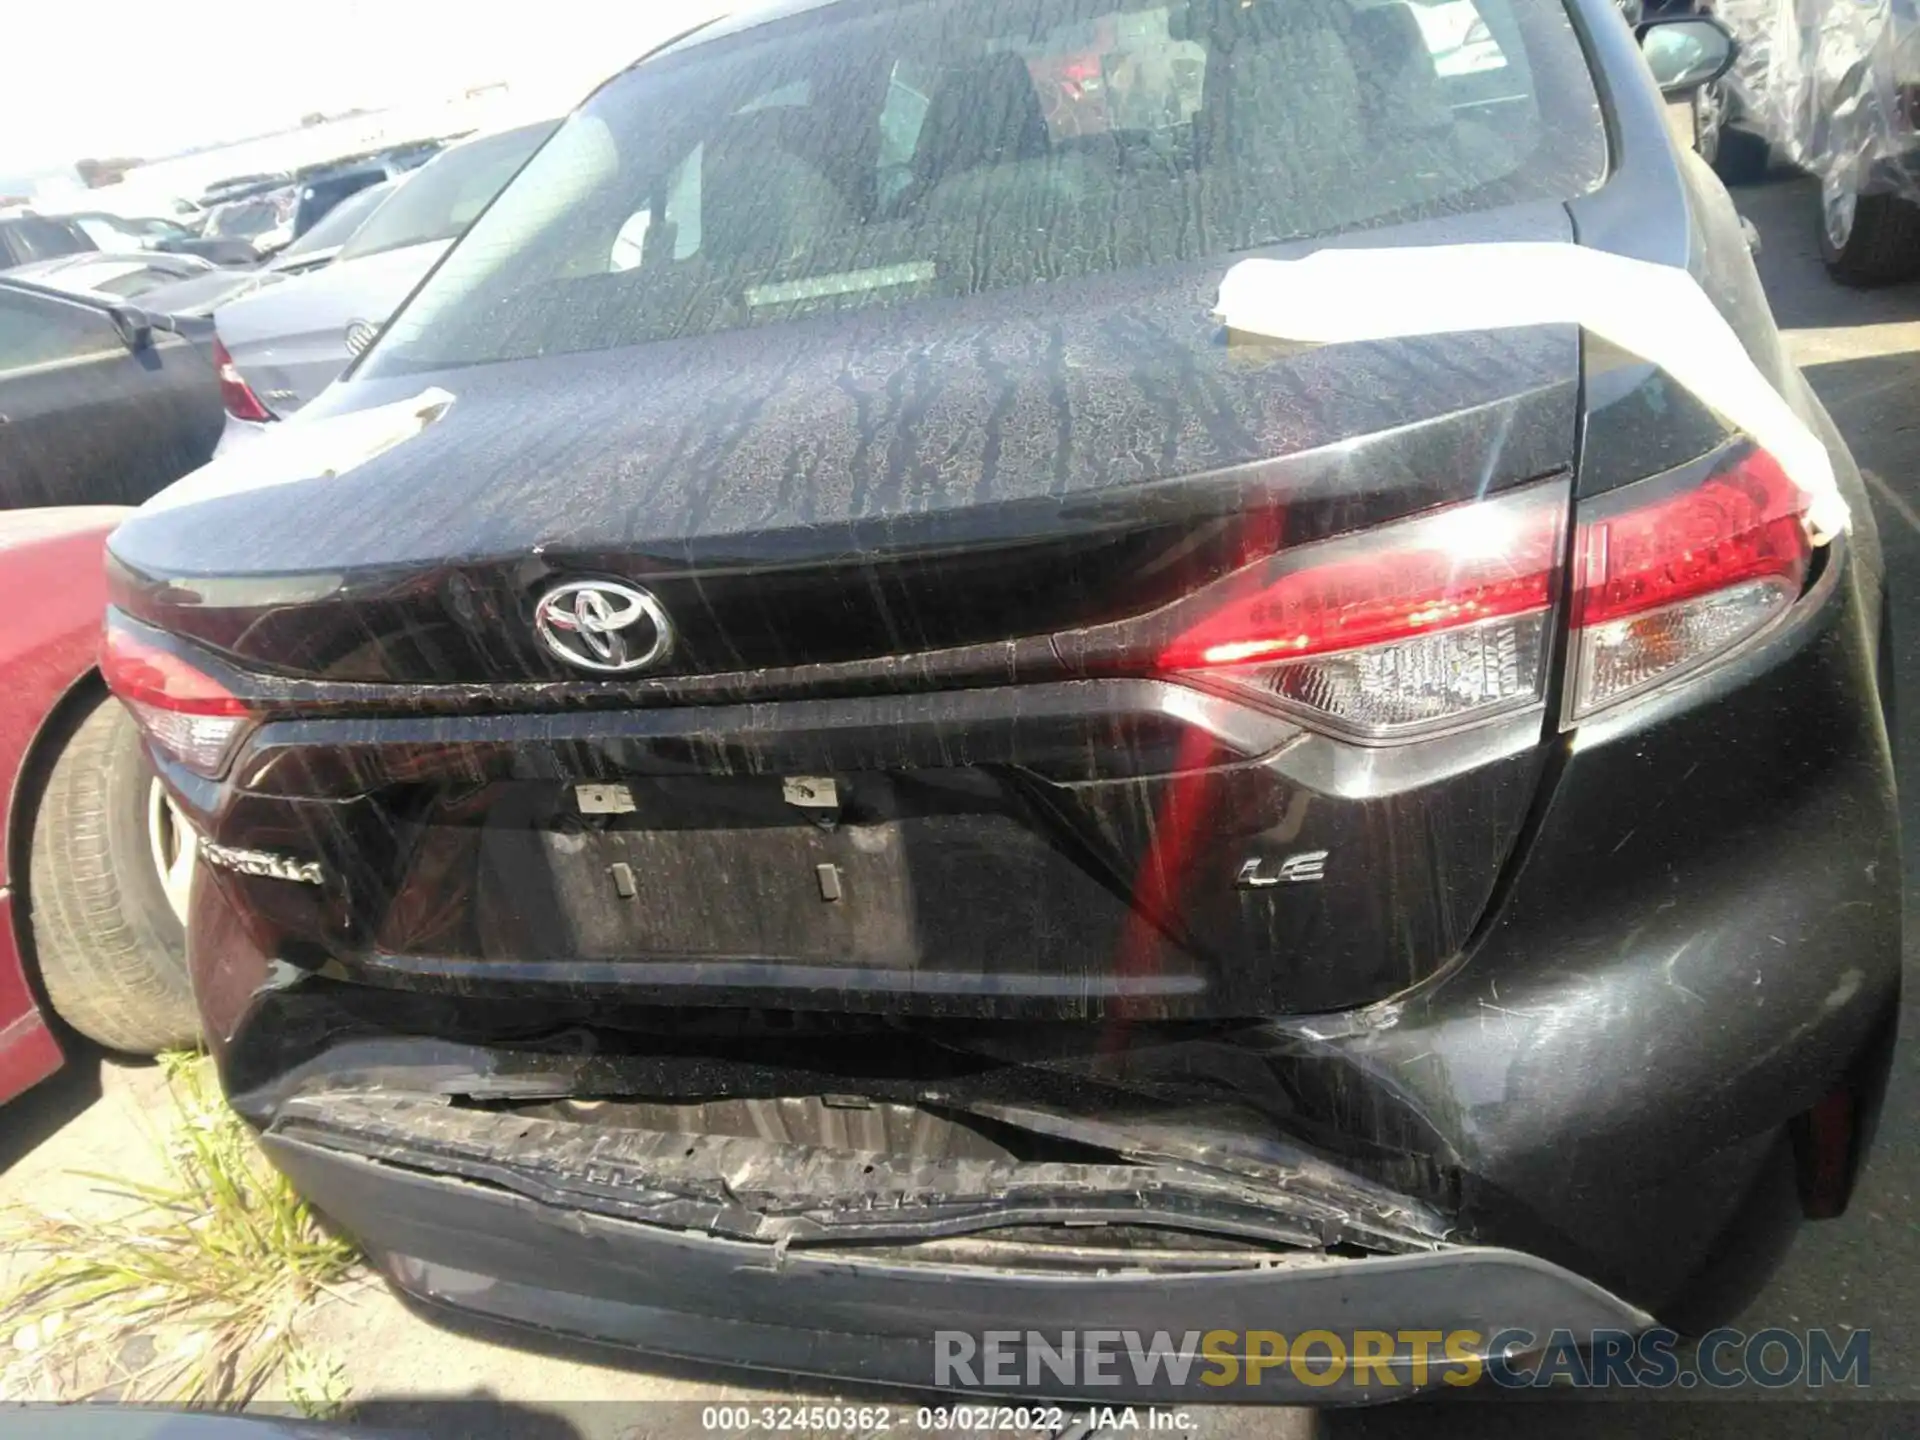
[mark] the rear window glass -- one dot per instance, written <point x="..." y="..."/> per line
<point x="35" y="239"/>
<point x="320" y="196"/>
<point x="38" y="331"/>
<point x="442" y="198"/>
<point x="244" y="219"/>
<point x="128" y="283"/>
<point x="859" y="155"/>
<point x="104" y="233"/>
<point x="338" y="224"/>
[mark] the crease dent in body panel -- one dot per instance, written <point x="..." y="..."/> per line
<point x="1656" y="312"/>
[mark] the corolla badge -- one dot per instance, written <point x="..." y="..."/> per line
<point x="603" y="625"/>
<point x="360" y="335"/>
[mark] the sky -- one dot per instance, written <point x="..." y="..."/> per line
<point x="139" y="81"/>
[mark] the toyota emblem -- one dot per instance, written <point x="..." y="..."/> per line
<point x="603" y="625"/>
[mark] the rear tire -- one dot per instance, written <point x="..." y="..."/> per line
<point x="112" y="951"/>
<point x="1868" y="240"/>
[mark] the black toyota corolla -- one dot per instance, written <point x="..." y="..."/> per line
<point x="809" y="751"/>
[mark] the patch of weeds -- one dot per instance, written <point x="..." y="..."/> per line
<point x="195" y="1285"/>
<point x="316" y="1385"/>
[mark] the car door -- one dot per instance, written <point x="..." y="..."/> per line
<point x="87" y="418"/>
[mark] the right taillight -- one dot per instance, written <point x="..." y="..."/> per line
<point x="1447" y="619"/>
<point x="1669" y="573"/>
<point x="235" y="393"/>
<point x="187" y="714"/>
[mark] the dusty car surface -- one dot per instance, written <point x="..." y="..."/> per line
<point x="809" y="750"/>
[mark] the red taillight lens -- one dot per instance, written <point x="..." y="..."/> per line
<point x="185" y="712"/>
<point x="1412" y="626"/>
<point x="1746" y="522"/>
<point x="1445" y="619"/>
<point x="235" y="393"/>
<point x="1665" y="580"/>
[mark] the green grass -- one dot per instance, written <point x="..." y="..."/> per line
<point x="222" y="1256"/>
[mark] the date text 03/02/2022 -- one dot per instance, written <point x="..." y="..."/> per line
<point x="941" y="1419"/>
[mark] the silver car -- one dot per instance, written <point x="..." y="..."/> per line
<point x="283" y="344"/>
<point x="322" y="244"/>
<point x="112" y="276"/>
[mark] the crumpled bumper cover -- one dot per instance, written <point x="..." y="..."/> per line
<point x="878" y="1317"/>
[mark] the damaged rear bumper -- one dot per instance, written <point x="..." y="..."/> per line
<point x="1699" y="949"/>
<point x="894" y="1276"/>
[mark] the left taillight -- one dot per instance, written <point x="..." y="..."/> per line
<point x="235" y="394"/>
<point x="1396" y="631"/>
<point x="186" y="713"/>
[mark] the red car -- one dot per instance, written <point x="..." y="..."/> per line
<point x="94" y="857"/>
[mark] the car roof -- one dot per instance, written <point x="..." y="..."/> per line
<point x="478" y="137"/>
<point x="251" y="199"/>
<point x="746" y="18"/>
<point x="18" y="215"/>
<point x="61" y="262"/>
<point x="224" y="194"/>
<point x="342" y="172"/>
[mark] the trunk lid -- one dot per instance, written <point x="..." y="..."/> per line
<point x="844" y="489"/>
<point x="838" y="514"/>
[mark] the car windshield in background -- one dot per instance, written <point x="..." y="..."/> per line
<point x="442" y="198"/>
<point x="336" y="227"/>
<point x="318" y="197"/>
<point x="841" y="159"/>
<point x="245" y="219"/>
<point x="32" y="237"/>
<point x="107" y="233"/>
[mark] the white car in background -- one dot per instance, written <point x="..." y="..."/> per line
<point x="282" y="344"/>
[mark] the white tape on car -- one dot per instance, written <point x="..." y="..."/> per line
<point x="308" y="448"/>
<point x="1656" y="312"/>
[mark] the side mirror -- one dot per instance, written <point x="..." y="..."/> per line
<point x="133" y="325"/>
<point x="1686" y="52"/>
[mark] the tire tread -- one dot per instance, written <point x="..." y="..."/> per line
<point x="114" y="971"/>
<point x="1884" y="246"/>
